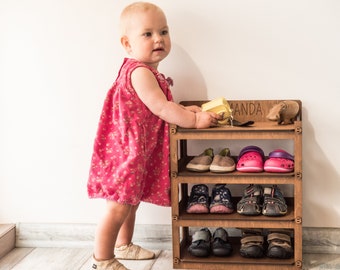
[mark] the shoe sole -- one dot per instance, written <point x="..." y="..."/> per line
<point x="269" y="214"/>
<point x="249" y="213"/>
<point x="198" y="209"/>
<point x="220" y="209"/>
<point x="219" y="169"/>
<point x="277" y="169"/>
<point x="250" y="169"/>
<point x="198" y="168"/>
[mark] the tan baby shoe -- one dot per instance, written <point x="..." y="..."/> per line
<point x="133" y="252"/>
<point x="111" y="264"/>
<point x="201" y="163"/>
<point x="223" y="162"/>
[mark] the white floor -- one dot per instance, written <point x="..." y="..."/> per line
<point x="80" y="259"/>
<point x="71" y="259"/>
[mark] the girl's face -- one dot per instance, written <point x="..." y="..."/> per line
<point x="147" y="38"/>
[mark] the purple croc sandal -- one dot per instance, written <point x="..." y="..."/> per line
<point x="279" y="161"/>
<point x="250" y="159"/>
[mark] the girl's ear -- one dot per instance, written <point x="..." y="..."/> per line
<point x="126" y="44"/>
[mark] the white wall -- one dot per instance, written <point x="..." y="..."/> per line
<point x="59" y="58"/>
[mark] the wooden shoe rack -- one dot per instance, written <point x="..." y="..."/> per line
<point x="183" y="223"/>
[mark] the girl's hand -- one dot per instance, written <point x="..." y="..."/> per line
<point x="193" y="108"/>
<point x="206" y="119"/>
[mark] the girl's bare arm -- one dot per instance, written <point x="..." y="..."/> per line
<point x="148" y="90"/>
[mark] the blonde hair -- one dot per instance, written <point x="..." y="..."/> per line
<point x="131" y="10"/>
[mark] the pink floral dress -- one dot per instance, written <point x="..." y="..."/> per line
<point x="130" y="161"/>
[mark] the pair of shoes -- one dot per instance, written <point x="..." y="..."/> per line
<point x="199" y="201"/>
<point x="133" y="252"/>
<point x="203" y="244"/>
<point x="206" y="161"/>
<point x="111" y="264"/>
<point x="279" y="244"/>
<point x="251" y="159"/>
<point x="268" y="201"/>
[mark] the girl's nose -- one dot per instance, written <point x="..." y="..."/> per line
<point x="158" y="38"/>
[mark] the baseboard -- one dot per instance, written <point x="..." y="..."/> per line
<point x="82" y="235"/>
<point x="315" y="240"/>
<point x="7" y="238"/>
<point x="321" y="240"/>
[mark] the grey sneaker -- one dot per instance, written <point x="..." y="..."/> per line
<point x="223" y="162"/>
<point x="221" y="246"/>
<point x="200" y="246"/>
<point x="202" y="162"/>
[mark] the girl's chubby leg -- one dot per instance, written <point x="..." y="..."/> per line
<point x="126" y="230"/>
<point x="124" y="248"/>
<point x="108" y="229"/>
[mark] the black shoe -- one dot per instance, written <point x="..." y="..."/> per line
<point x="252" y="244"/>
<point x="279" y="245"/>
<point x="200" y="246"/>
<point x="220" y="245"/>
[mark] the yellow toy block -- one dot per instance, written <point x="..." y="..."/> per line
<point x="219" y="106"/>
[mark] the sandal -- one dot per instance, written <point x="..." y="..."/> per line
<point x="222" y="162"/>
<point x="199" y="200"/>
<point x="250" y="159"/>
<point x="252" y="244"/>
<point x="251" y="202"/>
<point x="279" y="161"/>
<point x="221" y="200"/>
<point x="274" y="204"/>
<point x="201" y="163"/>
<point x="279" y="245"/>
<point x="200" y="246"/>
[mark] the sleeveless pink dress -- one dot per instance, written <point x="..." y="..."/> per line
<point x="130" y="161"/>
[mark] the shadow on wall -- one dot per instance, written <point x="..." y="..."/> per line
<point x="320" y="181"/>
<point x="188" y="80"/>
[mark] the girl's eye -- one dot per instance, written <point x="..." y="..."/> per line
<point x="164" y="32"/>
<point x="148" y="34"/>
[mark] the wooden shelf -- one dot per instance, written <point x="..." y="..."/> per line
<point x="262" y="129"/>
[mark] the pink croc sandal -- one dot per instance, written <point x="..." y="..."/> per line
<point x="250" y="159"/>
<point x="279" y="161"/>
